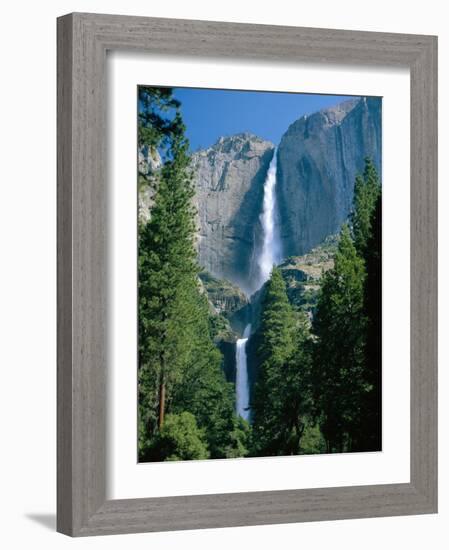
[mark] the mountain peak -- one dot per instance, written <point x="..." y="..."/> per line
<point x="327" y="117"/>
<point x="337" y="113"/>
<point x="236" y="143"/>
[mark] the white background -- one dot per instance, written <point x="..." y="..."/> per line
<point x="27" y="289"/>
<point x="392" y="465"/>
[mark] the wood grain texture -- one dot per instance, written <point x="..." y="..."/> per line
<point x="83" y="40"/>
<point x="64" y="277"/>
<point x="424" y="276"/>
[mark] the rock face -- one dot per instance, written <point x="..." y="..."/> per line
<point x="229" y="178"/>
<point x="318" y="159"/>
<point x="302" y="274"/>
<point x="149" y="165"/>
<point x="228" y="301"/>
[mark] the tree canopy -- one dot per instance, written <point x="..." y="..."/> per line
<point x="281" y="393"/>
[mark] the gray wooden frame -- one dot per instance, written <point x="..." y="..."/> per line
<point x="83" y="40"/>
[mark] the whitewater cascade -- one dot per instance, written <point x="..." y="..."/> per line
<point x="270" y="255"/>
<point x="271" y="246"/>
<point x="241" y="381"/>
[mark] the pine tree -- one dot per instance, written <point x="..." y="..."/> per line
<point x="339" y="326"/>
<point x="297" y="387"/>
<point x="370" y="431"/>
<point x="202" y="388"/>
<point x="166" y="264"/>
<point x="179" y="366"/>
<point x="157" y="120"/>
<point x="167" y="259"/>
<point x="367" y="228"/>
<point x="283" y="361"/>
<point x="366" y="191"/>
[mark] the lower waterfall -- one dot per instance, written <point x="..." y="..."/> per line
<point x="241" y="379"/>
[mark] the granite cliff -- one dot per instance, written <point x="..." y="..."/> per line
<point x="318" y="158"/>
<point x="149" y="163"/>
<point x="229" y="179"/>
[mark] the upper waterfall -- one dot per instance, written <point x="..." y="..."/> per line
<point x="271" y="247"/>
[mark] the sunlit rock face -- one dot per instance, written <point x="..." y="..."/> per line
<point x="149" y="166"/>
<point x="229" y="178"/>
<point x="318" y="159"/>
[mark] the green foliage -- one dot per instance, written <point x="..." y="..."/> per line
<point x="370" y="430"/>
<point x="281" y="393"/>
<point x="347" y="326"/>
<point x="238" y="439"/>
<point x="312" y="440"/>
<point x="219" y="327"/>
<point x="179" y="366"/>
<point x="366" y="191"/>
<point x="179" y="439"/>
<point x="277" y="322"/>
<point x="339" y="326"/>
<point x="202" y="388"/>
<point x="159" y="117"/>
<point x="367" y="230"/>
<point x="167" y="270"/>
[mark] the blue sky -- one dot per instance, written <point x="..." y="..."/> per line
<point x="209" y="114"/>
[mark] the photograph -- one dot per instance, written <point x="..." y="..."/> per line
<point x="259" y="269"/>
<point x="220" y="279"/>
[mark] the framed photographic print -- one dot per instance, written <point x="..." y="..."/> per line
<point x="246" y="274"/>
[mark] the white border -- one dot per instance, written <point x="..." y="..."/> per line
<point x="126" y="478"/>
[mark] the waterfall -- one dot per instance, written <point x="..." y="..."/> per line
<point x="271" y="246"/>
<point x="270" y="255"/>
<point x="241" y="382"/>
